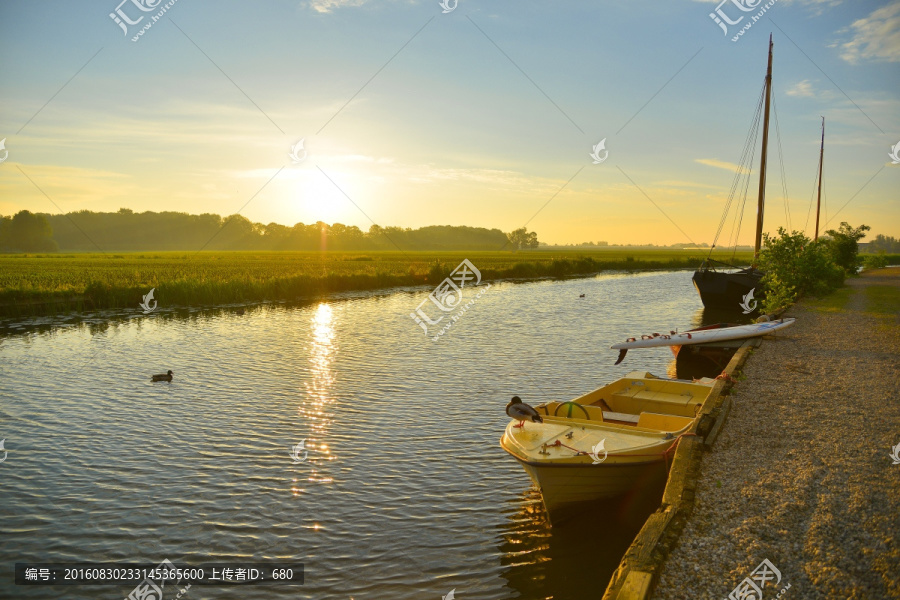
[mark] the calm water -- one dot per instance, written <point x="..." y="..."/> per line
<point x="406" y="493"/>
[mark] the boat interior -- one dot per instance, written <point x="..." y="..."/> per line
<point x="639" y="400"/>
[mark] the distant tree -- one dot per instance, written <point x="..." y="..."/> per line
<point x="126" y="231"/>
<point x="521" y="238"/>
<point x="27" y="232"/>
<point x="843" y="246"/>
<point x="882" y="243"/>
<point x="237" y="232"/>
<point x="5" y="223"/>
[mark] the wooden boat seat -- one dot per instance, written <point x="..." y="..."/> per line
<point x="661" y="422"/>
<point x="609" y="415"/>
<point x="654" y="402"/>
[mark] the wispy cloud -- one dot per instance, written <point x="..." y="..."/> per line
<point x="677" y="183"/>
<point x="876" y="37"/>
<point x="720" y="164"/>
<point x="326" y="6"/>
<point x="801" y="89"/>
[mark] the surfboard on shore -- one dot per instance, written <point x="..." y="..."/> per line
<point x="701" y="336"/>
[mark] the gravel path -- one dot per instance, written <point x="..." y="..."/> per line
<point x="801" y="473"/>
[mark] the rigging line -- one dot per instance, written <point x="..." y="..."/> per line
<point x="745" y="194"/>
<point x="742" y="180"/>
<point x="754" y="121"/>
<point x="857" y="193"/>
<point x="656" y="205"/>
<point x="812" y="197"/>
<point x="736" y="180"/>
<point x="740" y="206"/>
<point x="739" y="215"/>
<point x="743" y="165"/>
<point x="787" y="208"/>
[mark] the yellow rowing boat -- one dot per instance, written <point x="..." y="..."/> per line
<point x="598" y="445"/>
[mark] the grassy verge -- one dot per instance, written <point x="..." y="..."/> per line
<point x="54" y="283"/>
<point x="834" y="302"/>
<point x="883" y="300"/>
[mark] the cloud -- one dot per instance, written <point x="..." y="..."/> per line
<point x="326" y="6"/>
<point x="678" y="183"/>
<point x="801" y="89"/>
<point x="876" y="37"/>
<point x="720" y="164"/>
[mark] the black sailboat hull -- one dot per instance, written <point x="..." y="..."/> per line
<point x="726" y="291"/>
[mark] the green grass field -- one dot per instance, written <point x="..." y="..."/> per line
<point x="51" y="283"/>
<point x="836" y="301"/>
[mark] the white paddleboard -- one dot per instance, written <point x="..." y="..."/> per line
<point x="704" y="336"/>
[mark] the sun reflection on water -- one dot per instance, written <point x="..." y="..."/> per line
<point x="316" y="407"/>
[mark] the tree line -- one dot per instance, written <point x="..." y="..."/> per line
<point x="128" y="231"/>
<point x="882" y="243"/>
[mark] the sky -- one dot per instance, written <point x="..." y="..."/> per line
<point x="484" y="115"/>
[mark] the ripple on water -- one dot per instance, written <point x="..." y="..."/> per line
<point x="404" y="493"/>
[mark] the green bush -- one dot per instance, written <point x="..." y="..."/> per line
<point x="843" y="246"/>
<point x="875" y="261"/>
<point x="779" y="295"/>
<point x="794" y="267"/>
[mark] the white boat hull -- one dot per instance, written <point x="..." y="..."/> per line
<point x="563" y="486"/>
<point x="705" y="336"/>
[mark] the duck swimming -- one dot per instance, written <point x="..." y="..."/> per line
<point x="162" y="377"/>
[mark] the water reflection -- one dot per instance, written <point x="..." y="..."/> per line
<point x="578" y="554"/>
<point x="711" y="316"/>
<point x="317" y="405"/>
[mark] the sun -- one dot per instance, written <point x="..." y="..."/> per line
<point x="311" y="197"/>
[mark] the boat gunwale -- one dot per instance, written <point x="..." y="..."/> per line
<point x="618" y="425"/>
<point x="605" y="463"/>
<point x="614" y="457"/>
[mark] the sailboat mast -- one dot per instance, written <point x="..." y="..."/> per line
<point x="762" y="167"/>
<point x="821" y="161"/>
